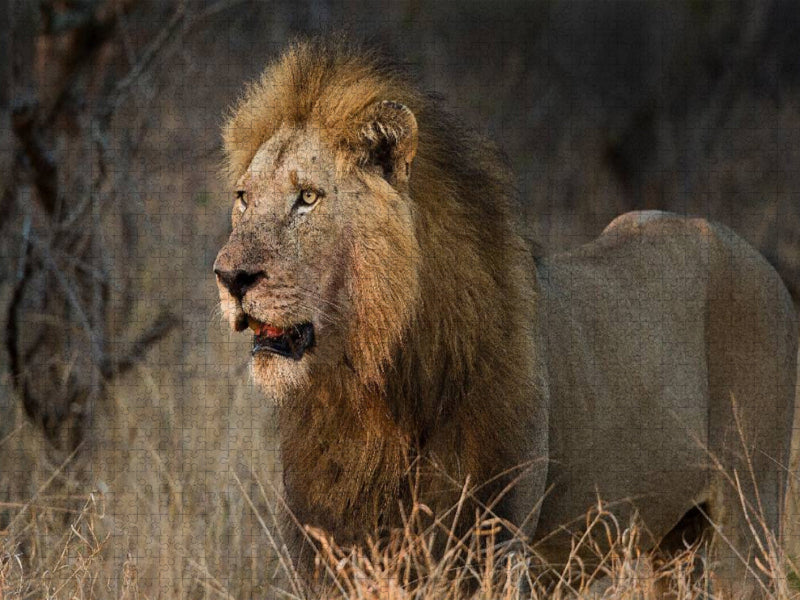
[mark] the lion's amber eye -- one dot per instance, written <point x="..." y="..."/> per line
<point x="241" y="200"/>
<point x="307" y="200"/>
<point x="309" y="197"/>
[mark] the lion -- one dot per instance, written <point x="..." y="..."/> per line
<point x="400" y="317"/>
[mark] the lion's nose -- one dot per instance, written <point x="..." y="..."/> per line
<point x="238" y="281"/>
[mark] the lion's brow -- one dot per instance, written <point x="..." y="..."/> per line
<point x="280" y="154"/>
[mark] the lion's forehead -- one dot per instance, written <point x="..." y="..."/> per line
<point x="298" y="151"/>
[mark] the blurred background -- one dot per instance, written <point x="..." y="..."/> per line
<point x="135" y="454"/>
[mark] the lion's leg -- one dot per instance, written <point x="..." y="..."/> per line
<point x="736" y="543"/>
<point x="745" y="504"/>
<point x="751" y="352"/>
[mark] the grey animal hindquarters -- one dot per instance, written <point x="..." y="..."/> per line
<point x="654" y="333"/>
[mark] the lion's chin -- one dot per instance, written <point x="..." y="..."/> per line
<point x="278" y="377"/>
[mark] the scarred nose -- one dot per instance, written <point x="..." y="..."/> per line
<point x="238" y="281"/>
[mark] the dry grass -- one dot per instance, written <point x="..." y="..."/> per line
<point x="178" y="495"/>
<point x="157" y="525"/>
<point x="426" y="559"/>
<point x="605" y="563"/>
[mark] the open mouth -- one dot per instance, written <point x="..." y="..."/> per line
<point x="291" y="342"/>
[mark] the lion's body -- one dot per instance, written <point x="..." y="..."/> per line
<point x="654" y="332"/>
<point x="440" y="343"/>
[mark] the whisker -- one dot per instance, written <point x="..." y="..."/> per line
<point x="323" y="314"/>
<point x="215" y="313"/>
<point x="314" y="295"/>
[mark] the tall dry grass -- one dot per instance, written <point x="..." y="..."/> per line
<point x="151" y="521"/>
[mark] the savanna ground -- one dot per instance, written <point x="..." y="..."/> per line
<point x="163" y="478"/>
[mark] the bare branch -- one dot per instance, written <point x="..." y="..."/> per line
<point x="45" y="172"/>
<point x="81" y="284"/>
<point x="158" y="330"/>
<point x="148" y="56"/>
<point x="172" y="34"/>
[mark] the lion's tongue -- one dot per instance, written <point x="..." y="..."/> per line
<point x="264" y="329"/>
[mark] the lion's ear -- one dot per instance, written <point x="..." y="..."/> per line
<point x="389" y="136"/>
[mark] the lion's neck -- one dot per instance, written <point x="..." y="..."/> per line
<point x="344" y="458"/>
<point x="464" y="405"/>
<point x="352" y="454"/>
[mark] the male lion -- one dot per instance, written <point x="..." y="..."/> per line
<point x="400" y="320"/>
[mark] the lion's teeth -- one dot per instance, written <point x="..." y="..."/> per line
<point x="254" y="325"/>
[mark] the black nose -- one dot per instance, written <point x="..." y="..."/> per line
<point x="239" y="281"/>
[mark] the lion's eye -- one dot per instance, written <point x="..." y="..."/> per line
<point x="241" y="200"/>
<point x="307" y="199"/>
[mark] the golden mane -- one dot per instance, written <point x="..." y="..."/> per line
<point x="326" y="84"/>
<point x="461" y="355"/>
<point x="329" y="83"/>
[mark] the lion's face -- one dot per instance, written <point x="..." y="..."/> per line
<point x="320" y="265"/>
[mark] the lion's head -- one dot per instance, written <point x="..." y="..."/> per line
<point x="322" y="260"/>
<point x="343" y="177"/>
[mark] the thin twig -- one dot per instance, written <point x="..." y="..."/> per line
<point x="172" y="34"/>
<point x="42" y="163"/>
<point x="164" y="323"/>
